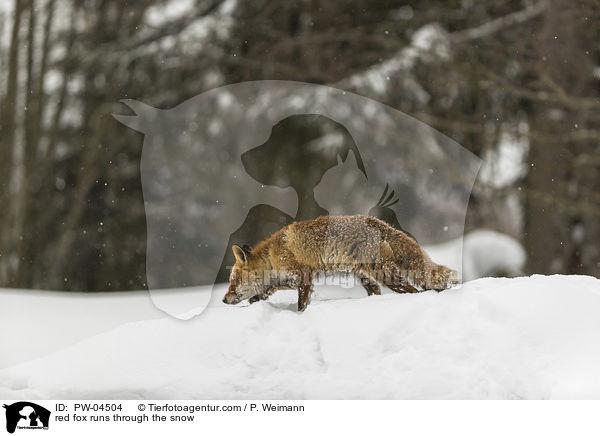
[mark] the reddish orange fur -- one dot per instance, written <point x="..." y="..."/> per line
<point x="366" y="246"/>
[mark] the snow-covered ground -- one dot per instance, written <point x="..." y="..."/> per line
<point x="530" y="337"/>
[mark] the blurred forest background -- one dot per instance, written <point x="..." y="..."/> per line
<point x="516" y="82"/>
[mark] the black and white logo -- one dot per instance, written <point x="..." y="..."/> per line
<point x="26" y="415"/>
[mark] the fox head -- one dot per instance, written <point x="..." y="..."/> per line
<point x="244" y="281"/>
<point x="440" y="277"/>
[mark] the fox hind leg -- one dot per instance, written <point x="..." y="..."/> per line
<point x="401" y="285"/>
<point x="304" y="293"/>
<point x="396" y="281"/>
<point x="370" y="285"/>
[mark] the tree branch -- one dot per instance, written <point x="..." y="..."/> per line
<point x="501" y="23"/>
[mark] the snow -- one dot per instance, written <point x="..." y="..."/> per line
<point x="485" y="253"/>
<point x="431" y="40"/>
<point x="505" y="165"/>
<point x="34" y="323"/>
<point x="158" y="15"/>
<point x="529" y="337"/>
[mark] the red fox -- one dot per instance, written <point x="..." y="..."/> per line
<point x="371" y="249"/>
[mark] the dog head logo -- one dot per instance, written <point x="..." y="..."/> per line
<point x="26" y="415"/>
<point x="235" y="164"/>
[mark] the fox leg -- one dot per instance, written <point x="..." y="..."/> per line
<point x="401" y="285"/>
<point x="403" y="288"/>
<point x="263" y="295"/>
<point x="304" y="293"/>
<point x="370" y="285"/>
<point x="266" y="294"/>
<point x="393" y="279"/>
<point x="305" y="289"/>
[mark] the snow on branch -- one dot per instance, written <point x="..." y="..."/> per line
<point x="431" y="41"/>
<point x="500" y="23"/>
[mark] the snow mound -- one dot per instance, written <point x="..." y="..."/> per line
<point x="531" y="337"/>
<point x="485" y="253"/>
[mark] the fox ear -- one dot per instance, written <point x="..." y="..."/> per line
<point x="239" y="254"/>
